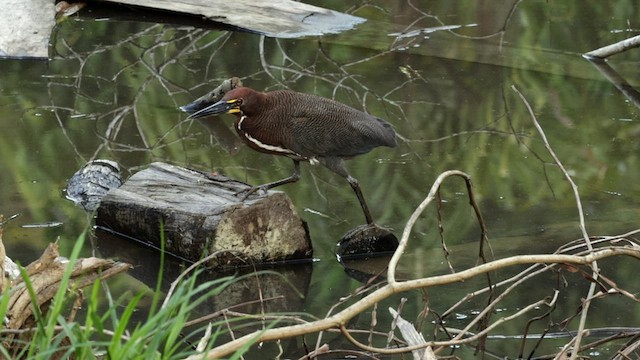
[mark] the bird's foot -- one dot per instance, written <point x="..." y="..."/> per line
<point x="244" y="194"/>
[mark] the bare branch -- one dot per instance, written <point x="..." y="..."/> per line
<point x="583" y="228"/>
<point x="341" y="318"/>
<point x="620" y="46"/>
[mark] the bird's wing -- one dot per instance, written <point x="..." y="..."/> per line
<point x="331" y="129"/>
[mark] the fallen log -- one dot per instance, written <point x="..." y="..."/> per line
<point x="198" y="214"/>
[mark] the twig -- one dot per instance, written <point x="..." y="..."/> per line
<point x="460" y="338"/>
<point x="77" y="305"/>
<point x="202" y="344"/>
<point x="393" y="263"/>
<point x="613" y="49"/>
<point x="359" y="291"/>
<point x="443" y="244"/>
<point x="587" y="240"/>
<point x="318" y="351"/>
<point x="32" y="330"/>
<point x="394" y="322"/>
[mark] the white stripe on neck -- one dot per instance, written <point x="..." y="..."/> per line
<point x="240" y="122"/>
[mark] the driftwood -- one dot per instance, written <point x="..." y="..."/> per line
<point x="200" y="214"/>
<point x="25" y="25"/>
<point x="412" y="337"/>
<point x="45" y="275"/>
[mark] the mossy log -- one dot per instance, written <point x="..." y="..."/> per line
<point x="197" y="214"/>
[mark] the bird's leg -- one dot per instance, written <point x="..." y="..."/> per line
<point x="337" y="166"/>
<point x="356" y="188"/>
<point x="264" y="187"/>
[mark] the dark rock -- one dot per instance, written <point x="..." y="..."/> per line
<point x="366" y="241"/>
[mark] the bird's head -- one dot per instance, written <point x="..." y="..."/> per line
<point x="235" y="101"/>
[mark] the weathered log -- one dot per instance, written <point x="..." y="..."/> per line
<point x="200" y="214"/>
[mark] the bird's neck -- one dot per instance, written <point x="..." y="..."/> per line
<point x="259" y="102"/>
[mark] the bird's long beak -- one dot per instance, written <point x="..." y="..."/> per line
<point x="195" y="109"/>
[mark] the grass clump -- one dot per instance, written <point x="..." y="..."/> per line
<point x="52" y="326"/>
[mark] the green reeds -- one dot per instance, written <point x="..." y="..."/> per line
<point x="112" y="333"/>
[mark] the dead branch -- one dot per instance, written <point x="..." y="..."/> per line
<point x="587" y="240"/>
<point x="413" y="337"/>
<point x="620" y="46"/>
<point x="341" y="318"/>
<point x="46" y="275"/>
<point x="538" y="269"/>
<point x="393" y="263"/>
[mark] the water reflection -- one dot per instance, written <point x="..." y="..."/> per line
<point x="282" y="288"/>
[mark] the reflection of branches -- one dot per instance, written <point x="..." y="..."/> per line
<point x="297" y="71"/>
<point x="149" y="54"/>
<point x="461" y="133"/>
<point x="414" y="35"/>
<point x="618" y="81"/>
<point x="101" y="90"/>
<point x="340" y="80"/>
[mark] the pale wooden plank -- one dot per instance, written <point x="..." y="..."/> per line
<point x="277" y="18"/>
<point x="25" y="27"/>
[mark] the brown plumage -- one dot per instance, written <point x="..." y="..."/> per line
<point x="302" y="127"/>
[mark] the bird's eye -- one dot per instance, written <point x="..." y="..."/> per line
<point x="239" y="101"/>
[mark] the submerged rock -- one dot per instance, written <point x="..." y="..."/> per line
<point x="366" y="241"/>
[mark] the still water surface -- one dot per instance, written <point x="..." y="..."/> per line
<point x="441" y="72"/>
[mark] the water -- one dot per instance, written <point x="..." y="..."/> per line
<point x="112" y="90"/>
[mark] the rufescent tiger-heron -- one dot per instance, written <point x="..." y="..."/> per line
<point x="300" y="126"/>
